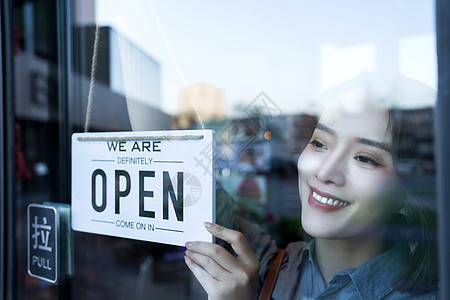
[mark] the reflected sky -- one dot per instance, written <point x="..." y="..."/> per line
<point x="291" y="51"/>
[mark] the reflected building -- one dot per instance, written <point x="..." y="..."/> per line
<point x="204" y="98"/>
<point x="417" y="130"/>
<point x="299" y="129"/>
<point x="121" y="65"/>
<point x="126" y="89"/>
<point x="127" y="82"/>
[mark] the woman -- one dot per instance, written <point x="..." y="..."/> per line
<point x="354" y="207"/>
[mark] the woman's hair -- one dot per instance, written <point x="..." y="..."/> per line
<point x="417" y="221"/>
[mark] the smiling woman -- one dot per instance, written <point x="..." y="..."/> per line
<point x="351" y="192"/>
<point x="346" y="161"/>
<point x="371" y="238"/>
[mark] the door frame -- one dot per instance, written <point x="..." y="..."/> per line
<point x="7" y="154"/>
<point x="442" y="125"/>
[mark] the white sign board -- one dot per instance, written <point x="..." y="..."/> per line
<point x="156" y="186"/>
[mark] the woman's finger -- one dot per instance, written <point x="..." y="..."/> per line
<point x="222" y="275"/>
<point x="209" y="264"/>
<point x="215" y="252"/>
<point x="206" y="280"/>
<point x="237" y="240"/>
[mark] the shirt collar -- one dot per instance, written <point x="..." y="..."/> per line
<point x="308" y="252"/>
<point x="306" y="256"/>
<point x="380" y="271"/>
<point x="373" y="279"/>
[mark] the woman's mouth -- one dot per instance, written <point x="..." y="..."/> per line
<point x="325" y="202"/>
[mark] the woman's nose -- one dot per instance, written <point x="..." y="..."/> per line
<point x="332" y="170"/>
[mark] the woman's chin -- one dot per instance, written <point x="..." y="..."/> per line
<point x="322" y="229"/>
<point x="322" y="232"/>
<point x="341" y="233"/>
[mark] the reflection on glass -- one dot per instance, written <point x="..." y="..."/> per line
<point x="253" y="72"/>
<point x="258" y="89"/>
<point x="367" y="219"/>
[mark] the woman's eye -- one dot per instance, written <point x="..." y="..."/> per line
<point x="366" y="160"/>
<point x="317" y="144"/>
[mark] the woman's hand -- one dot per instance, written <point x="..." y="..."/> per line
<point x="222" y="275"/>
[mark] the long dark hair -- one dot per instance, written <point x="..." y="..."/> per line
<point x="412" y="150"/>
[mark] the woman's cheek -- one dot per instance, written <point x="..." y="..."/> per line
<point x="376" y="183"/>
<point x="307" y="165"/>
<point x="379" y="192"/>
<point x="307" y="162"/>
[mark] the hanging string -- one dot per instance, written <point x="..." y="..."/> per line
<point x="92" y="81"/>
<point x="172" y="56"/>
<point x="175" y="63"/>
<point x="140" y="138"/>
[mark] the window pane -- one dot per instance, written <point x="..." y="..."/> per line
<point x="259" y="74"/>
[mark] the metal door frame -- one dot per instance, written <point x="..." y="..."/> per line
<point x="7" y="154"/>
<point x="442" y="125"/>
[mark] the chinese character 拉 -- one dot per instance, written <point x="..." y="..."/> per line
<point x="41" y="234"/>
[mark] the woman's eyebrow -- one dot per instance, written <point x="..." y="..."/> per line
<point x="373" y="143"/>
<point x="360" y="140"/>
<point x="326" y="129"/>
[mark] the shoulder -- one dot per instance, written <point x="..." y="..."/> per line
<point x="295" y="254"/>
<point x="291" y="271"/>
<point x="294" y="249"/>
<point x="428" y="296"/>
<point x="291" y="259"/>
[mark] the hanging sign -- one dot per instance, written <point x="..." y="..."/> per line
<point x="154" y="186"/>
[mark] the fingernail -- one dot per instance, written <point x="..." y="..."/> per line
<point x="208" y="225"/>
<point x="187" y="259"/>
<point x="187" y="252"/>
<point x="188" y="244"/>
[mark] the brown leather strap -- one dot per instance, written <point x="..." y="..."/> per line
<point x="272" y="275"/>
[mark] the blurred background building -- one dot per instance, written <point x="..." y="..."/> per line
<point x="201" y="98"/>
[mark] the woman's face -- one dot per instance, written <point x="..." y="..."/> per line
<point x="347" y="181"/>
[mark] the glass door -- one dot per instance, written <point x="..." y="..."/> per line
<point x="256" y="73"/>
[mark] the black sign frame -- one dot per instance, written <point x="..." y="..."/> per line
<point x="41" y="264"/>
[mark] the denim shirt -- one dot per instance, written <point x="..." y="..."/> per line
<point x="371" y="280"/>
<point x="299" y="277"/>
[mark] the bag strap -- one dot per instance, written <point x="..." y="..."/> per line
<point x="272" y="276"/>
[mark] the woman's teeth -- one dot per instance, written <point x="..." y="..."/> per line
<point x="329" y="201"/>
